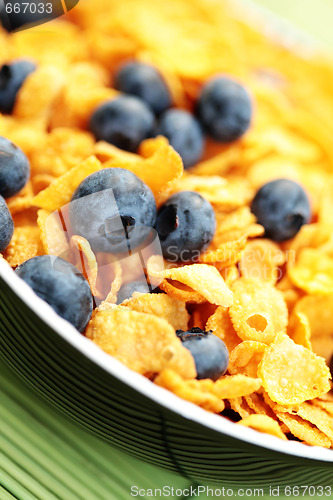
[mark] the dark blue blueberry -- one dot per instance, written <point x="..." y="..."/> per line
<point x="282" y="207"/>
<point x="6" y="225"/>
<point x="12" y="77"/>
<point x="184" y="134"/>
<point x="145" y="82"/>
<point x="125" y="122"/>
<point x="61" y="285"/>
<point x="185" y="225"/>
<point x="210" y="353"/>
<point x="127" y="290"/>
<point x="14" y="168"/>
<point x="113" y="209"/>
<point x="224" y="109"/>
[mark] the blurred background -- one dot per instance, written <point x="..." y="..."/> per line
<point x="313" y="16"/>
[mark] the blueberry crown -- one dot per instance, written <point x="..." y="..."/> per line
<point x="192" y="333"/>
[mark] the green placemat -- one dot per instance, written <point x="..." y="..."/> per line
<point x="44" y="456"/>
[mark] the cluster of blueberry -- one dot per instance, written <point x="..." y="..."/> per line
<point x="223" y="111"/>
<point x="118" y="217"/>
<point x="14" y="165"/>
<point x="14" y="174"/>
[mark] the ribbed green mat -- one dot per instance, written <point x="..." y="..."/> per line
<point x="44" y="456"/>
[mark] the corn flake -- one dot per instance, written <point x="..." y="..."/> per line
<point x="259" y="311"/>
<point x="298" y="373"/>
<point x="263" y="423"/>
<point x="143" y="342"/>
<point x="161" y="305"/>
<point x="204" y="279"/>
<point x="245" y="358"/>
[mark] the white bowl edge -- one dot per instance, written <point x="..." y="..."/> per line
<point x="138" y="382"/>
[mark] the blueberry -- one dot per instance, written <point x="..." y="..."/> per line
<point x="127" y="290"/>
<point x="210" y="353"/>
<point x="184" y="134"/>
<point x="61" y="285"/>
<point x="113" y="209"/>
<point x="12" y="77"/>
<point x="6" y="225"/>
<point x="14" y="168"/>
<point x="185" y="225"/>
<point x="282" y="207"/>
<point x="145" y="82"/>
<point x="224" y="109"/>
<point x="124" y="122"/>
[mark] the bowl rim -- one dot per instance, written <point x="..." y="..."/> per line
<point x="157" y="394"/>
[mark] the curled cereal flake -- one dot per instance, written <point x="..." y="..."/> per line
<point x="24" y="245"/>
<point x="199" y="392"/>
<point x="201" y="278"/>
<point x="234" y="225"/>
<point x="21" y="201"/>
<point x="218" y="164"/>
<point x="245" y="358"/>
<point x="304" y="431"/>
<point x="236" y="386"/>
<point x="263" y="423"/>
<point x="143" y="342"/>
<point x="62" y="44"/>
<point x="323" y="346"/>
<point x="51" y="233"/>
<point x="86" y="89"/>
<point x="325" y="405"/>
<point x="261" y="260"/>
<point x="161" y="305"/>
<point x="316" y="416"/>
<point x="299" y="329"/>
<point x="207" y="393"/>
<point x="225" y="254"/>
<point x="313" y="271"/>
<point x="319" y="311"/>
<point x="116" y="284"/>
<point x="63" y="148"/>
<point x="239" y="219"/>
<point x="28" y="134"/>
<point x="182" y="292"/>
<point x="41" y="181"/>
<point x="60" y="191"/>
<point x="105" y="151"/>
<point x="87" y="261"/>
<point x="259" y="311"/>
<point x="291" y="373"/>
<point x="221" y="326"/>
<point x="228" y="194"/>
<point x="159" y="168"/>
<point x="110" y="48"/>
<point x="270" y="168"/>
<point x="257" y="403"/>
<point x="44" y="84"/>
<point x="240" y="406"/>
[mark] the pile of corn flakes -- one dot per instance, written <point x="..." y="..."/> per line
<point x="271" y="303"/>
